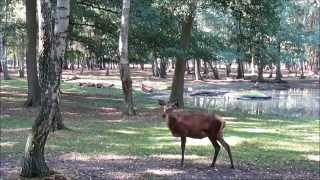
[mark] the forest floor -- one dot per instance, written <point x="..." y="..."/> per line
<point x="103" y="144"/>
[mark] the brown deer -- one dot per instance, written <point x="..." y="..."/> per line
<point x="195" y="125"/>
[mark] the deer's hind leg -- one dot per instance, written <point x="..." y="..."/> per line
<point x="227" y="148"/>
<point x="216" y="150"/>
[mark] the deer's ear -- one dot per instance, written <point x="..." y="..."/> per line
<point x="161" y="102"/>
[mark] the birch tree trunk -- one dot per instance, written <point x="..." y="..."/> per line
<point x="34" y="164"/>
<point x="124" y="63"/>
<point x="60" y="44"/>
<point x="180" y="66"/>
<point x="31" y="55"/>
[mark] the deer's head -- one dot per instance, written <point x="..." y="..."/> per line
<point x="168" y="107"/>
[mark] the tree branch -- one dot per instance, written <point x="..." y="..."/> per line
<point x="97" y="7"/>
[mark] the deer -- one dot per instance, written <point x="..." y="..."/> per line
<point x="196" y="125"/>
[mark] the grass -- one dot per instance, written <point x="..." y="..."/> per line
<point x="259" y="141"/>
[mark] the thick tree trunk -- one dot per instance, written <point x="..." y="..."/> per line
<point x="178" y="79"/>
<point x="3" y="58"/>
<point x="34" y="164"/>
<point x="60" y="44"/>
<point x="34" y="96"/>
<point x="197" y="69"/>
<point x="124" y="63"/>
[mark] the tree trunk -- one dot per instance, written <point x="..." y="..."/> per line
<point x="34" y="164"/>
<point x="205" y="71"/>
<point x="260" y="72"/>
<point x="34" y="97"/>
<point x="178" y="79"/>
<point x="197" y="69"/>
<point x="271" y="71"/>
<point x="240" y="72"/>
<point x="155" y="68"/>
<point x="302" y="69"/>
<point x="124" y="63"/>
<point x="252" y="64"/>
<point x="60" y="45"/>
<point x="228" y="69"/>
<point x="108" y="69"/>
<point x="21" y="54"/>
<point x="142" y="66"/>
<point x="214" y="70"/>
<point x="3" y="58"/>
<point x="163" y="68"/>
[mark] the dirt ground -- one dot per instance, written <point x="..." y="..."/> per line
<point x="77" y="166"/>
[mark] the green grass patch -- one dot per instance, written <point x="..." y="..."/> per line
<point x="259" y="141"/>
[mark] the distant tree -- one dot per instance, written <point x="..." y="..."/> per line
<point x="3" y="38"/>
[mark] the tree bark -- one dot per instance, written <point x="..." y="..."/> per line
<point x="163" y="68"/>
<point x="124" y="63"/>
<point x="60" y="45"/>
<point x="21" y="54"/>
<point x="34" y="164"/>
<point x="179" y="71"/>
<point x="205" y="71"/>
<point x="228" y="69"/>
<point x="240" y="72"/>
<point x="197" y="69"/>
<point x="34" y="96"/>
<point x="260" y="72"/>
<point x="214" y="70"/>
<point x="271" y="70"/>
<point x="3" y="58"/>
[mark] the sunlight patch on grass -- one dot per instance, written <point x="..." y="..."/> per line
<point x="7" y="144"/>
<point x="234" y="140"/>
<point x="167" y="172"/>
<point x="124" y="131"/>
<point x="14" y="129"/>
<point x="257" y="130"/>
<point x="313" y="157"/>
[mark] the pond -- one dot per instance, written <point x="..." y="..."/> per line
<point x="288" y="103"/>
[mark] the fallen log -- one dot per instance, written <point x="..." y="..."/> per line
<point x="97" y="85"/>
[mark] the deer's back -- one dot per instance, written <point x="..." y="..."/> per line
<point x="194" y="124"/>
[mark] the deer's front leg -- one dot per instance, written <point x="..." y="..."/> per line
<point x="183" y="145"/>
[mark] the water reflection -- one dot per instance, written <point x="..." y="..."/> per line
<point x="292" y="103"/>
